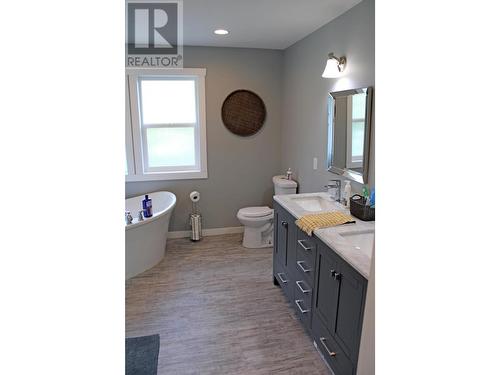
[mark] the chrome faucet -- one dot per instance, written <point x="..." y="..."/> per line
<point x="333" y="188"/>
<point x="128" y="217"/>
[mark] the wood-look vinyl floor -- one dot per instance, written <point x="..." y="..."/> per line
<point x="217" y="312"/>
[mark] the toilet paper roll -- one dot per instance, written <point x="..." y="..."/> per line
<point x="194" y="196"/>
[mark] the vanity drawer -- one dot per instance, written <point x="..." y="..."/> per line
<point x="332" y="352"/>
<point x="284" y="280"/>
<point x="302" y="302"/>
<point x="305" y="270"/>
<point x="305" y="248"/>
<point x="305" y="257"/>
<point x="303" y="292"/>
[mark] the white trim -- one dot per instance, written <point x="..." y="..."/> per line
<point x="129" y="146"/>
<point x="206" y="232"/>
<point x="163" y="176"/>
<point x="200" y="170"/>
<point x="201" y="72"/>
<point x="136" y="131"/>
<point x="203" y="127"/>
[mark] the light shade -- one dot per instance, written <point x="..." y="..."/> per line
<point x="221" y="32"/>
<point x="334" y="66"/>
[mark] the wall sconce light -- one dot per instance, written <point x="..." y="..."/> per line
<point x="334" y="66"/>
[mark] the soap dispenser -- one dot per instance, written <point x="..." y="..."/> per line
<point x="289" y="174"/>
<point x="347" y="193"/>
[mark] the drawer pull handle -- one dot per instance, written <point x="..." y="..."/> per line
<point x="299" y="284"/>
<point x="284" y="223"/>
<point x="281" y="278"/>
<point x="297" y="302"/>
<point x="306" y="248"/>
<point x="330" y="353"/>
<point x="299" y="263"/>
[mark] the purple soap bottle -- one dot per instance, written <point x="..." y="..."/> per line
<point x="147" y="207"/>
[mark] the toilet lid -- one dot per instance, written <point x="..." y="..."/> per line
<point x="256" y="211"/>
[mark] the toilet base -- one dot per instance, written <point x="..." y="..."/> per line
<point x="256" y="238"/>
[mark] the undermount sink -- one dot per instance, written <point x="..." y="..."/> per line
<point x="315" y="203"/>
<point x="361" y="240"/>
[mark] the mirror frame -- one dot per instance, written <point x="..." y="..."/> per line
<point x="345" y="172"/>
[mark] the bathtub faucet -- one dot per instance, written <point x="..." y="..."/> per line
<point x="128" y="217"/>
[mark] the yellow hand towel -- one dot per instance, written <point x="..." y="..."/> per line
<point x="309" y="223"/>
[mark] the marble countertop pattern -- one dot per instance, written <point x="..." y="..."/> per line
<point x="359" y="258"/>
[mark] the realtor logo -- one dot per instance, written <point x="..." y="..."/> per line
<point x="154" y="34"/>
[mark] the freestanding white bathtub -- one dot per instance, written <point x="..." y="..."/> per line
<point x="145" y="241"/>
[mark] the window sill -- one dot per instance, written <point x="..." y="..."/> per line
<point x="167" y="176"/>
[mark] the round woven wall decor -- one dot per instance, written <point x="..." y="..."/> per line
<point x="243" y="113"/>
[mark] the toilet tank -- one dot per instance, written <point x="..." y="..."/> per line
<point x="282" y="186"/>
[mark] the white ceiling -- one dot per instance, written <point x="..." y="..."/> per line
<point x="274" y="24"/>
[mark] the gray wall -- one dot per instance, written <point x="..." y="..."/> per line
<point x="304" y="127"/>
<point x="240" y="169"/>
<point x="290" y="83"/>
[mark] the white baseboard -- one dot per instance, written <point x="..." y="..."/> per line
<point x="206" y="232"/>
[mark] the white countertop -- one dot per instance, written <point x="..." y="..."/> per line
<point x="359" y="257"/>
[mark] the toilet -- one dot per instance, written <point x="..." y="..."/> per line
<point x="258" y="221"/>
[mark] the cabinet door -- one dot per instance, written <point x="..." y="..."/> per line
<point x="286" y="235"/>
<point x="291" y="241"/>
<point x="350" y="310"/>
<point x="326" y="288"/>
<point x="276" y="236"/>
<point x="281" y="236"/>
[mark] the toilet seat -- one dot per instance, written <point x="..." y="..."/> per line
<point x="255" y="212"/>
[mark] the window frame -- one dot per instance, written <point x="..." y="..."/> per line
<point x="136" y="133"/>
<point x="129" y="146"/>
<point x="352" y="161"/>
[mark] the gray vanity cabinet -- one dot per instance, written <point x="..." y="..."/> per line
<point x="327" y="293"/>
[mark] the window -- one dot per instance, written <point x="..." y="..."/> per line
<point x="165" y="127"/>
<point x="356" y="108"/>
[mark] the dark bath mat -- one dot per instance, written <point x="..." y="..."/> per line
<point x="141" y="355"/>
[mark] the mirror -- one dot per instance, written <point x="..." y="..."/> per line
<point x="349" y="117"/>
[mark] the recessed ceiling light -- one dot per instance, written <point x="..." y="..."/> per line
<point x="221" y="32"/>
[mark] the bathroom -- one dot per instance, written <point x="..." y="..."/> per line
<point x="260" y="139"/>
<point x="221" y="211"/>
